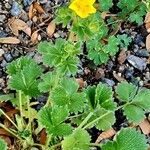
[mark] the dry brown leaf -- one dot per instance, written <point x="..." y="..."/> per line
<point x="16" y="25"/>
<point x="81" y="82"/>
<point x="34" y="37"/>
<point x="27" y="31"/>
<point x="148" y="42"/>
<point x="51" y="28"/>
<point x="105" y="135"/>
<point x="31" y="14"/>
<point x="145" y="126"/>
<point x="9" y="40"/>
<point x="147" y="18"/>
<point x="38" y="7"/>
<point x="43" y="137"/>
<point x="147" y="25"/>
<point x="72" y="37"/>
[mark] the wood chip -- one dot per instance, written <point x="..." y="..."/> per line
<point x="9" y="40"/>
<point x="145" y="126"/>
<point x="105" y="135"/>
<point x="51" y="28"/>
<point x="118" y="78"/>
<point x="122" y="57"/>
<point x="148" y="42"/>
<point x="99" y="73"/>
<point x="147" y="18"/>
<point x="34" y="37"/>
<point x="31" y="14"/>
<point x="38" y="7"/>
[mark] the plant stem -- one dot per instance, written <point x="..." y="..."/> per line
<point x="55" y="146"/>
<point x="20" y="107"/>
<point x="97" y="119"/>
<point x="85" y="120"/>
<point x="8" y="118"/>
<point x="94" y="145"/>
<point x="29" y="114"/>
<point x="48" y="140"/>
<point x="8" y="130"/>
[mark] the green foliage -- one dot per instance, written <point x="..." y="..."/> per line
<point x="63" y="16"/>
<point x="62" y="55"/>
<point x="101" y="102"/>
<point x="127" y="139"/>
<point x="124" y="40"/>
<point x="79" y="139"/>
<point x="87" y="28"/>
<point x="136" y="101"/>
<point x="133" y="10"/>
<point x="100" y="52"/>
<point x="105" y="5"/>
<point x="67" y="94"/>
<point x="3" y="145"/>
<point x="24" y="74"/>
<point x="53" y="120"/>
<point x="102" y="96"/>
<point x="48" y="82"/>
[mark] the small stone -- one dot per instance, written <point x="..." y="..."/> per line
<point x="56" y="35"/>
<point x="7" y="5"/>
<point x="108" y="81"/>
<point x="16" y="9"/>
<point x="142" y="53"/>
<point x="128" y="73"/>
<point x="1" y="52"/>
<point x="8" y="57"/>
<point x="2" y="18"/>
<point x="137" y="62"/>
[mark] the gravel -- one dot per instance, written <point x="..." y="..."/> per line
<point x="137" y="62"/>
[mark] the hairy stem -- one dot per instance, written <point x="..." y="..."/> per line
<point x="9" y="131"/>
<point x="85" y="120"/>
<point x="8" y="118"/>
<point x="29" y="114"/>
<point x="97" y="119"/>
<point x="20" y="107"/>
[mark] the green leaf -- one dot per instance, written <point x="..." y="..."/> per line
<point x="66" y="94"/>
<point x="134" y="113"/>
<point x="107" y="119"/>
<point x="26" y="79"/>
<point x="24" y="73"/>
<point x="126" y="91"/>
<point x="124" y="40"/>
<point x="136" y="99"/>
<point x="105" y="5"/>
<point x="3" y="145"/>
<point x="127" y="139"/>
<point x="112" y="47"/>
<point x="17" y="65"/>
<point x="64" y="16"/>
<point x="79" y="139"/>
<point x="101" y="96"/>
<point x="48" y="81"/>
<point x="62" y="55"/>
<point x="52" y="119"/>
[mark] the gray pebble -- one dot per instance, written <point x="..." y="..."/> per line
<point x="1" y="52"/>
<point x="108" y="81"/>
<point x="142" y="53"/>
<point x="8" y="57"/>
<point x="136" y="62"/>
<point x="2" y="18"/>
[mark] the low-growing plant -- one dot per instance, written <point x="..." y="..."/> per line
<point x="69" y="112"/>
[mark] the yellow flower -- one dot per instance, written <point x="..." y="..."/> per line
<point x="83" y="8"/>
